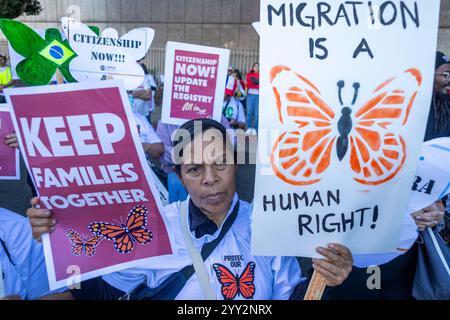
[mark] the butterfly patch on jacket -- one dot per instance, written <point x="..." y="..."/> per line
<point x="124" y="235"/>
<point x="235" y="285"/>
<point x="365" y="137"/>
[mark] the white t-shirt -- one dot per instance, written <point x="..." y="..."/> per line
<point x="234" y="110"/>
<point x="152" y="83"/>
<point x="145" y="130"/>
<point x="274" y="277"/>
<point x="142" y="106"/>
<point x="25" y="273"/>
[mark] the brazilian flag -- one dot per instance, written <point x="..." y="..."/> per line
<point x="56" y="52"/>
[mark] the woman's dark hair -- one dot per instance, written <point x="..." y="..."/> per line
<point x="253" y="67"/>
<point x="238" y="74"/>
<point x="144" y="67"/>
<point x="192" y="127"/>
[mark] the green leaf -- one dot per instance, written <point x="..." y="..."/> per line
<point x="24" y="40"/>
<point x="52" y="34"/>
<point x="66" y="73"/>
<point x="95" y="29"/>
<point x="35" y="70"/>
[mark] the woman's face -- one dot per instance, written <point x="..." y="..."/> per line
<point x="209" y="180"/>
<point x="441" y="79"/>
<point x="256" y="67"/>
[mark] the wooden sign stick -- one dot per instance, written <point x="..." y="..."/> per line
<point x="316" y="287"/>
<point x="59" y="77"/>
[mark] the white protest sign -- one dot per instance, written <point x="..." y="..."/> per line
<point x="9" y="157"/>
<point x="67" y="171"/>
<point x="107" y="55"/>
<point x="194" y="84"/>
<point x="256" y="25"/>
<point x="432" y="181"/>
<point x="345" y="90"/>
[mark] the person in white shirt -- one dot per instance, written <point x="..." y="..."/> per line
<point x="153" y="87"/>
<point x="218" y="224"/>
<point x="142" y="95"/>
<point x="232" y="107"/>
<point x="21" y="258"/>
<point x="151" y="142"/>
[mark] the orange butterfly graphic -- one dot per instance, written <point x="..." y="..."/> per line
<point x="125" y="234"/>
<point x="376" y="152"/>
<point x="80" y="243"/>
<point x="233" y="285"/>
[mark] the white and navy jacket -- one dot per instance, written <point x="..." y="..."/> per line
<point x="274" y="277"/>
<point x="21" y="258"/>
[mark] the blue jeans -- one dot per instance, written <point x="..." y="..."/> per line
<point x="252" y="110"/>
<point x="177" y="192"/>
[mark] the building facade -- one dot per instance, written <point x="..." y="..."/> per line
<point x="224" y="23"/>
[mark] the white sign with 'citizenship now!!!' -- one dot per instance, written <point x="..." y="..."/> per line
<point x="106" y="55"/>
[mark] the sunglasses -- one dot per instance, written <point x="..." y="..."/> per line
<point x="446" y="75"/>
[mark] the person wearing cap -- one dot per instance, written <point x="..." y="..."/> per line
<point x="229" y="73"/>
<point x="214" y="221"/>
<point x="439" y="117"/>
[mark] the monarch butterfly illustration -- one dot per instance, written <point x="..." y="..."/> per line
<point x="376" y="153"/>
<point x="125" y="235"/>
<point x="233" y="285"/>
<point x="80" y="243"/>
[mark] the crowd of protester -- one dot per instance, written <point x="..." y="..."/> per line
<point x="215" y="211"/>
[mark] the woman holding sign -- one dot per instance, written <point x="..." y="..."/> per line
<point x="253" y="97"/>
<point x="211" y="238"/>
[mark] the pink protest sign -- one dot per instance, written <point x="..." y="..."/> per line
<point x="83" y="152"/>
<point x="194" y="85"/>
<point x="9" y="157"/>
<point x="194" y="82"/>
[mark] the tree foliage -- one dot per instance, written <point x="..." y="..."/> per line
<point x="11" y="9"/>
